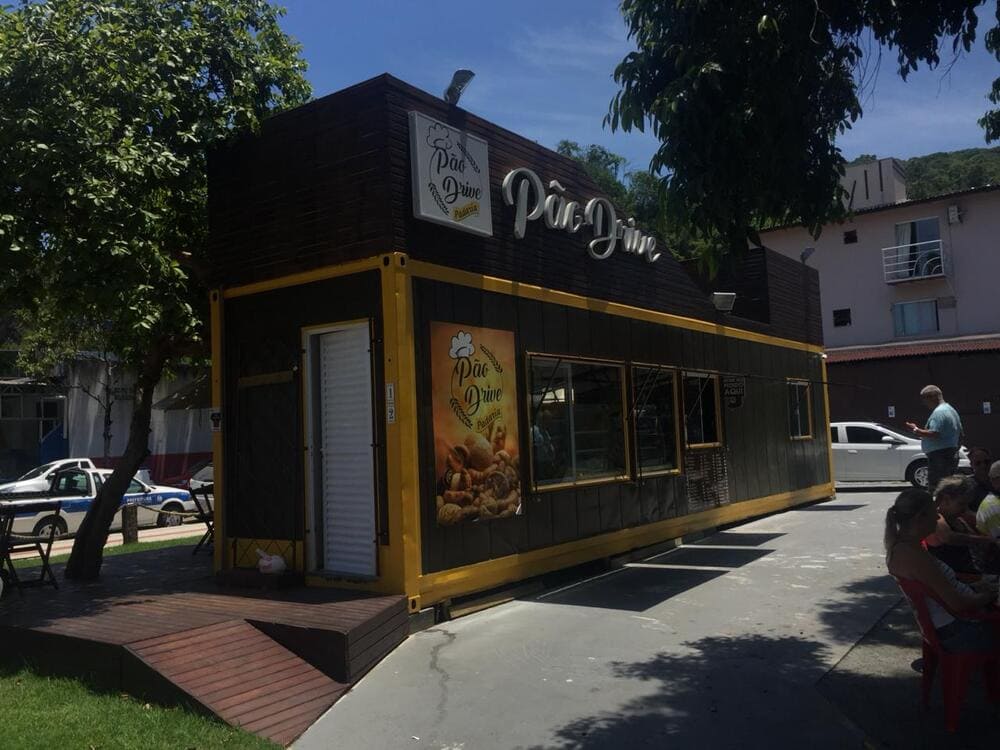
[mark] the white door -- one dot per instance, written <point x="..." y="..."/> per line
<point x="346" y="462"/>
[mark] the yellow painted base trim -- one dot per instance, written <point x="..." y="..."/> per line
<point x="435" y="587"/>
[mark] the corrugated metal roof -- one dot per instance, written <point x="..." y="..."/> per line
<point x="914" y="349"/>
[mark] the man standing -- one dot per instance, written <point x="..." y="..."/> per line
<point x="939" y="438"/>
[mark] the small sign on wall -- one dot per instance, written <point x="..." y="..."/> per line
<point x="892" y="412"/>
<point x="450" y="173"/>
<point x="987" y="407"/>
<point x="734" y="389"/>
<point x="390" y="403"/>
<point x="215" y="417"/>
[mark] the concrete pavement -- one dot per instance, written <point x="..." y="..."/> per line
<point x="717" y="644"/>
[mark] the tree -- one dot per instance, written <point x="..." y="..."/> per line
<point x="747" y="99"/>
<point x="107" y="111"/>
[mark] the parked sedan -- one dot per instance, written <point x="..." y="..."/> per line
<point x="872" y="452"/>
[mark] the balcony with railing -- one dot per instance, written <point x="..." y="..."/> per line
<point x="915" y="261"/>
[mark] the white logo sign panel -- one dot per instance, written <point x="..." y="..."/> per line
<point x="451" y="176"/>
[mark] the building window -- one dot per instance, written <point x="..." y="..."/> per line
<point x="842" y="317"/>
<point x="850" y="237"/>
<point x="701" y="410"/>
<point x="915" y="232"/>
<point x="834" y="436"/>
<point x="799" y="410"/>
<point x="914" y="318"/>
<point x="577" y="421"/>
<point x="655" y="419"/>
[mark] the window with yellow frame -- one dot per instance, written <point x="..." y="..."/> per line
<point x="577" y="421"/>
<point x="702" y="425"/>
<point x="657" y="431"/>
<point x="799" y="410"/>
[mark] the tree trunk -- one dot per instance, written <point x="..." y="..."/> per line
<point x="88" y="549"/>
<point x="109" y="402"/>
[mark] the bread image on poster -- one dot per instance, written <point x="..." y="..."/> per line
<point x="475" y="408"/>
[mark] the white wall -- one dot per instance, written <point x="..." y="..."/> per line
<point x="179" y="431"/>
<point x="851" y="275"/>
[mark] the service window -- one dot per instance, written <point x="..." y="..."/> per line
<point x="799" y="410"/>
<point x="701" y="410"/>
<point x="577" y="421"/>
<point x="656" y="426"/>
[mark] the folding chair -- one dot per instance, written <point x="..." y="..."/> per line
<point x="205" y="515"/>
<point x="11" y="542"/>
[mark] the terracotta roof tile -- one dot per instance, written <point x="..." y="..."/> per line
<point x="914" y="349"/>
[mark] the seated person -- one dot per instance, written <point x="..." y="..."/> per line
<point x="956" y="541"/>
<point x="912" y="518"/>
<point x="980" y="486"/>
<point x="988" y="514"/>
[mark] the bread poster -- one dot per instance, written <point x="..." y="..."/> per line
<point x="474" y="382"/>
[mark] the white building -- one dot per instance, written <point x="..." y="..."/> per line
<point x="909" y="297"/>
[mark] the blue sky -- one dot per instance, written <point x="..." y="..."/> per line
<point x="543" y="69"/>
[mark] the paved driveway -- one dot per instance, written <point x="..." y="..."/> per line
<point x="717" y="644"/>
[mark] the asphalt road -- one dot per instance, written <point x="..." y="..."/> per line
<point x="718" y="644"/>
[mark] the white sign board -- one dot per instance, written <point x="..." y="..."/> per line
<point x="450" y="170"/>
<point x="892" y="412"/>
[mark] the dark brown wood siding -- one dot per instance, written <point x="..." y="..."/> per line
<point x="310" y="190"/>
<point x="759" y="457"/>
<point x="265" y="496"/>
<point x="330" y="181"/>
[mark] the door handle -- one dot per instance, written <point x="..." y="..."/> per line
<point x="852" y="451"/>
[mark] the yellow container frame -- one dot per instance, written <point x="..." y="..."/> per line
<point x="400" y="565"/>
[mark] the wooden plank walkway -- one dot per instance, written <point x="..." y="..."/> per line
<point x="156" y="625"/>
<point x="242" y="676"/>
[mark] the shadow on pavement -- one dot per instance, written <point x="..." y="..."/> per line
<point x="814" y="508"/>
<point x="718" y="692"/>
<point x="738" y="538"/>
<point x="875" y="687"/>
<point x="634" y="589"/>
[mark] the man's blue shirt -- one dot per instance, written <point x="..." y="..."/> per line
<point x="944" y="420"/>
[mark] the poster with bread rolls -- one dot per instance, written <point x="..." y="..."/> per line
<point x="475" y="408"/>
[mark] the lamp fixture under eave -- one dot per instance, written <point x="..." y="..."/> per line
<point x="724" y="301"/>
<point x="458" y="83"/>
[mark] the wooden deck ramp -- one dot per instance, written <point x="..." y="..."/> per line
<point x="236" y="672"/>
<point x="158" y="627"/>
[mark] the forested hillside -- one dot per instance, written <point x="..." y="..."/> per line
<point x="948" y="171"/>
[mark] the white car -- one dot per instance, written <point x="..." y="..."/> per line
<point x="39" y="478"/>
<point x="872" y="452"/>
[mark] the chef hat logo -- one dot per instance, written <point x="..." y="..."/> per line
<point x="438" y="136"/>
<point x="461" y="346"/>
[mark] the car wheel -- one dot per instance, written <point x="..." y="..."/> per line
<point x="169" y="519"/>
<point x="43" y="528"/>
<point x="916" y="474"/>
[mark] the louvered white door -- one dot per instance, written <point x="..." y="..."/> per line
<point x="346" y="462"/>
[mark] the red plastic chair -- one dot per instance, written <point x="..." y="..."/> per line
<point x="956" y="668"/>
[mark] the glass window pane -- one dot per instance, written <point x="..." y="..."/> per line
<point x="577" y="429"/>
<point x="834" y="437"/>
<point x="700" y="409"/>
<point x="550" y="421"/>
<point x="597" y="421"/>
<point x="134" y="486"/>
<point x="863" y="435"/>
<point x="655" y="419"/>
<point x="798" y="410"/>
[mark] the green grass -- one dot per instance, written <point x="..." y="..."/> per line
<point x="121" y="549"/>
<point x="57" y="712"/>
